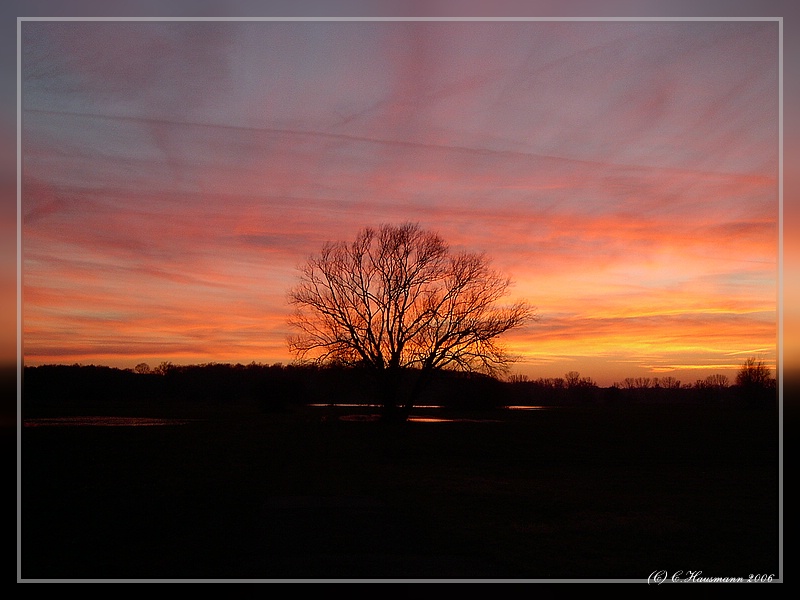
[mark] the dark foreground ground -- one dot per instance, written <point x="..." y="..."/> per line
<point x="568" y="494"/>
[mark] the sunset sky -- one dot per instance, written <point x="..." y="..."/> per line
<point x="623" y="173"/>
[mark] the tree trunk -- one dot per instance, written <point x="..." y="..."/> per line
<point x="388" y="388"/>
<point x="419" y="384"/>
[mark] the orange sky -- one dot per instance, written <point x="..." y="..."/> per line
<point x="623" y="174"/>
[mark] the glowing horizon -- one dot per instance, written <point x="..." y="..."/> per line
<point x="623" y="174"/>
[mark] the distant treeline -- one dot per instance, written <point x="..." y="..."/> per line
<point x="273" y="387"/>
<point x="277" y="387"/>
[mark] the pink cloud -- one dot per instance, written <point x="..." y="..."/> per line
<point x="623" y="174"/>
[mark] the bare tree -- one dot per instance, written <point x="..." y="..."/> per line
<point x="163" y="368"/>
<point x="573" y="379"/>
<point x="755" y="383"/>
<point x="668" y="382"/>
<point x="754" y="373"/>
<point x="717" y="380"/>
<point x="397" y="299"/>
<point x="142" y="368"/>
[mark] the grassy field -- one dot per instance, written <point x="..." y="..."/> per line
<point x="568" y="494"/>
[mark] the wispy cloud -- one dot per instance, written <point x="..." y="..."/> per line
<point x="623" y="174"/>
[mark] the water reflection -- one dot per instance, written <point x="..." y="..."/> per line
<point x="369" y="417"/>
<point x="417" y="419"/>
<point x="441" y="420"/>
<point x="359" y="417"/>
<point x="102" y="422"/>
<point x="94" y="421"/>
<point x="423" y="406"/>
<point x="355" y="405"/>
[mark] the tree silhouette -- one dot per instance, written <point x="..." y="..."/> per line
<point x="397" y="300"/>
<point x="755" y="382"/>
<point x="573" y="379"/>
<point x="668" y="382"/>
<point x="142" y="368"/>
<point x="754" y="373"/>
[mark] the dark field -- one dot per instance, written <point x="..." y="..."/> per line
<point x="569" y="493"/>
